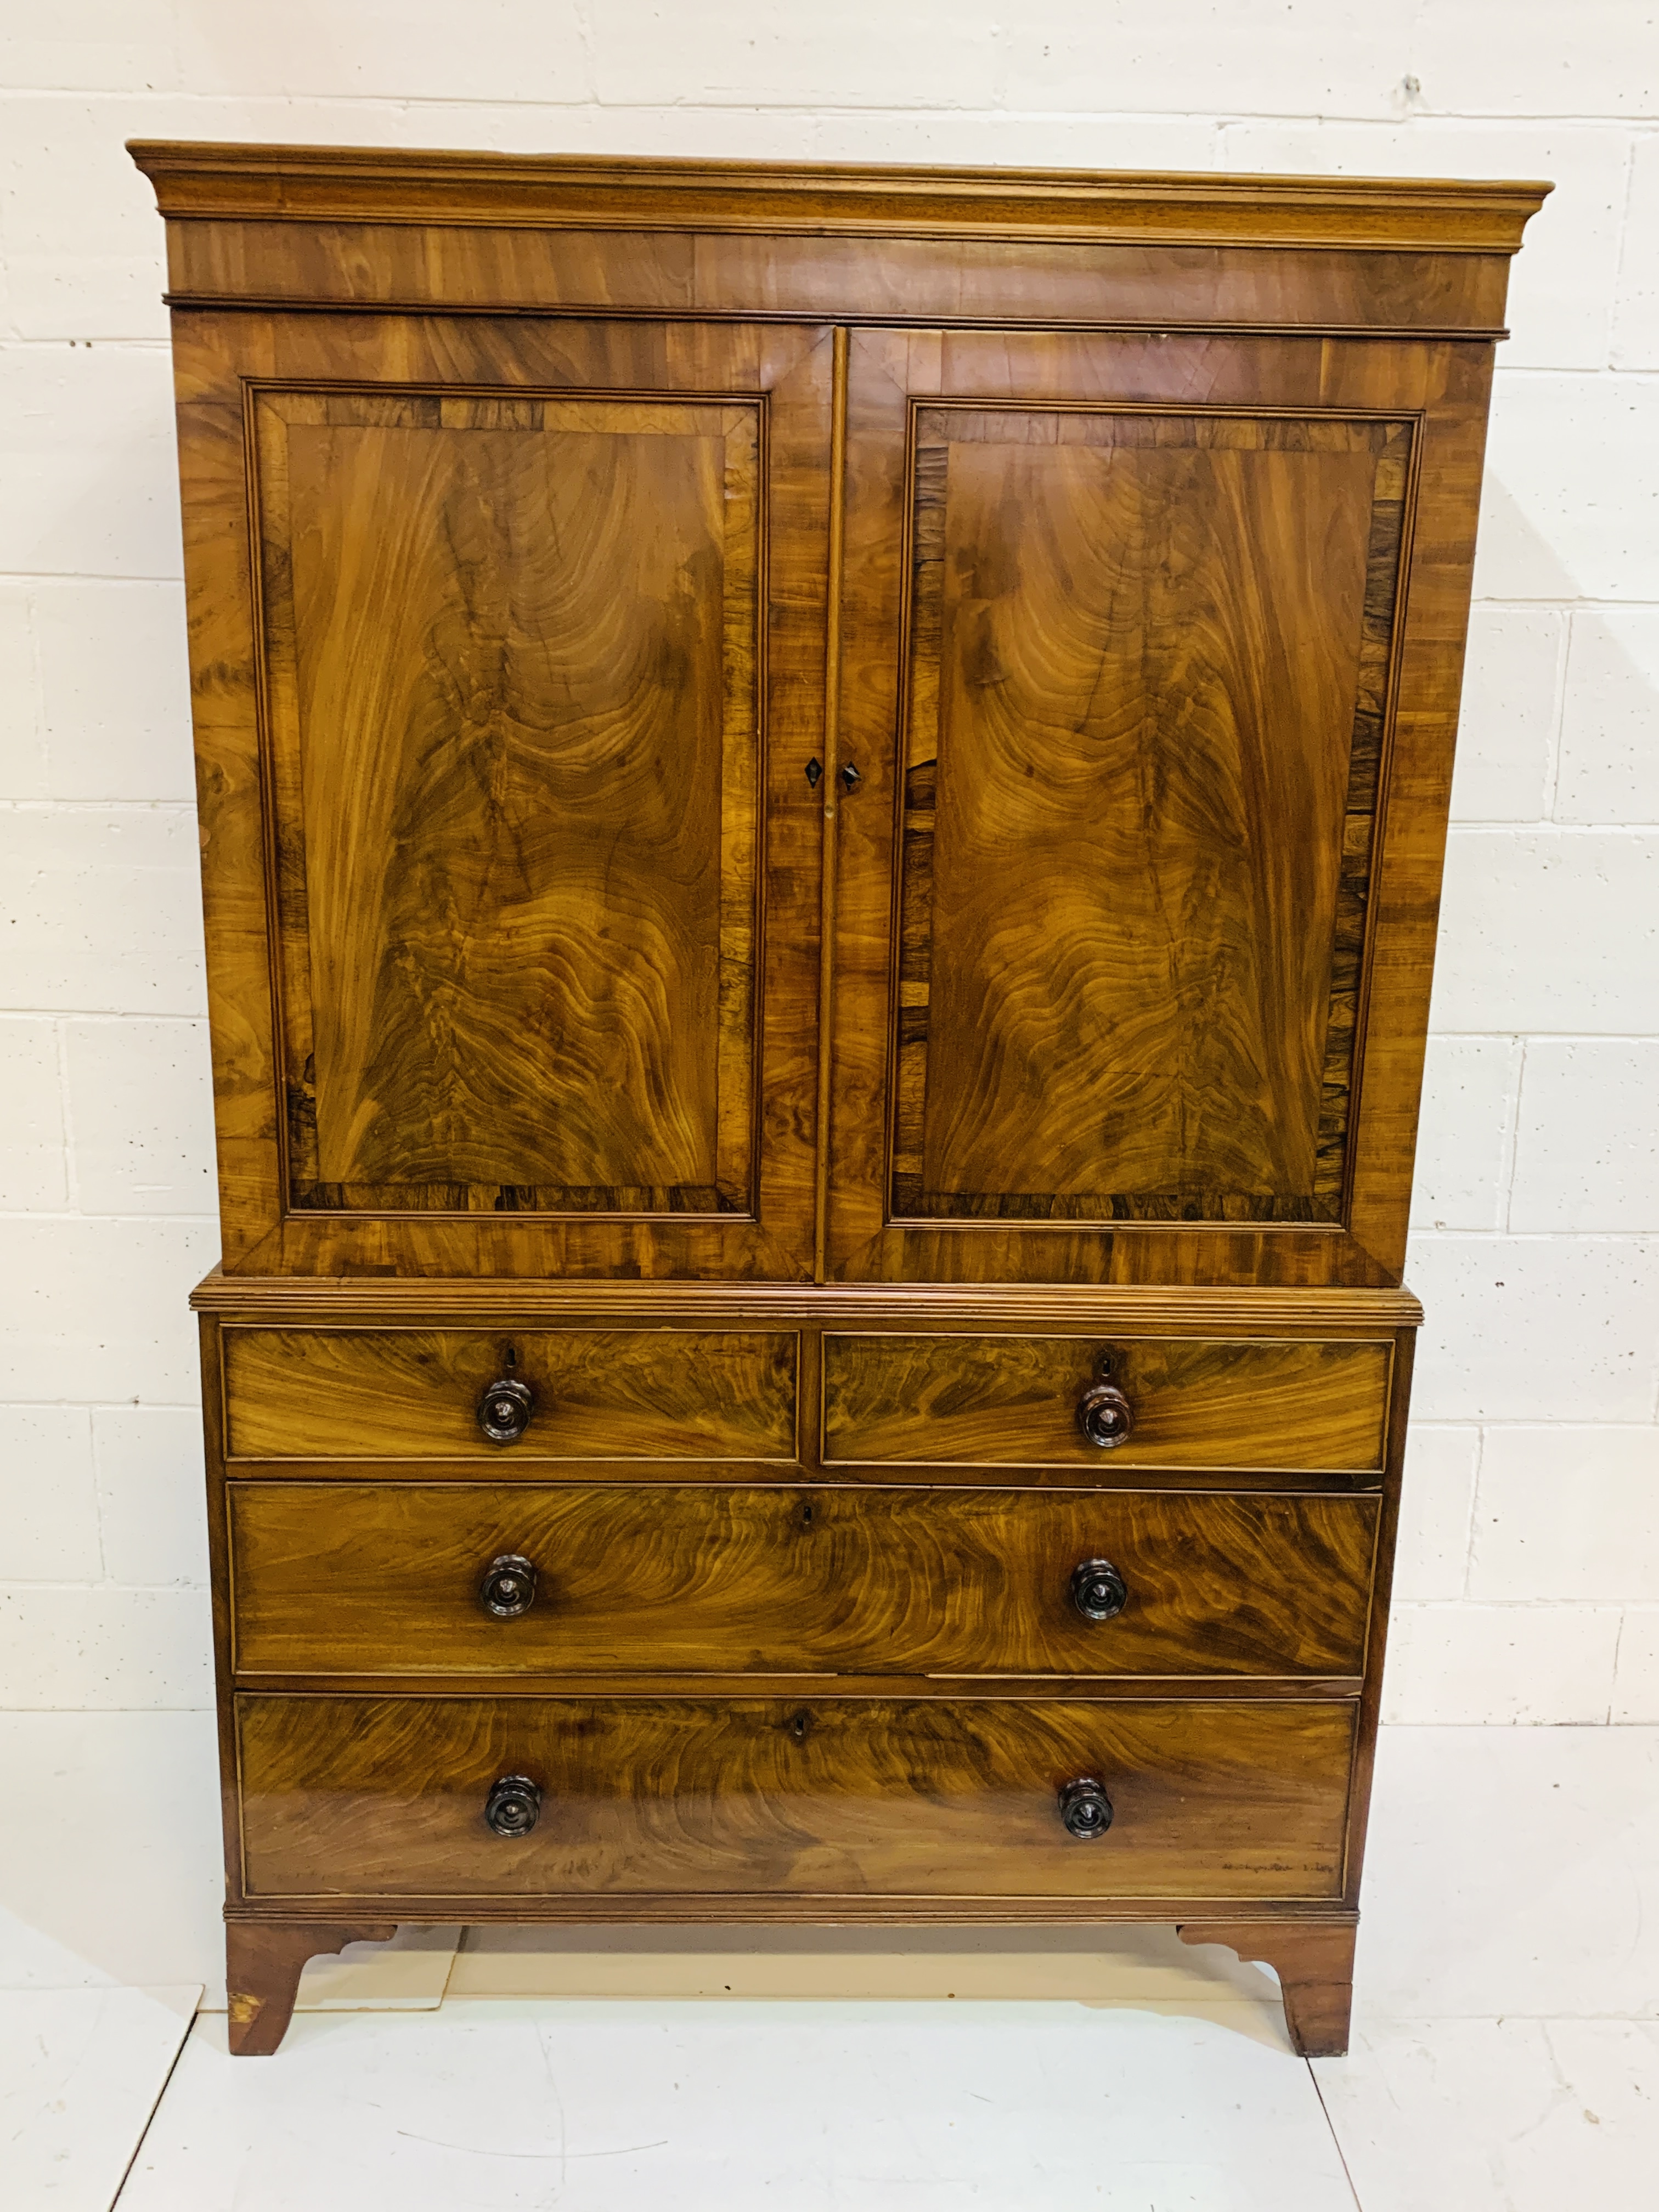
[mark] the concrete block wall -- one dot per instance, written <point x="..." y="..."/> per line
<point x="1528" y="1588"/>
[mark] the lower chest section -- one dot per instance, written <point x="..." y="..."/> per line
<point x="796" y="1622"/>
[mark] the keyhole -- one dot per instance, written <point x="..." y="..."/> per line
<point x="511" y="1357"/>
<point x="806" y="1516"/>
<point x="798" y="1726"/>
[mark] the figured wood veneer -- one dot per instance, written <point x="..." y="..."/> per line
<point x="1146" y="681"/>
<point x="497" y="803"/>
<point x="813" y="1796"/>
<point x="1343" y="1053"/>
<point x="382" y="1579"/>
<point x="1011" y="1401"/>
<point x="512" y="647"/>
<point x="600" y="1394"/>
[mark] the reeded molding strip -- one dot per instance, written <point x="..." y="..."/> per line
<point x="1162" y="1309"/>
<point x="312" y="184"/>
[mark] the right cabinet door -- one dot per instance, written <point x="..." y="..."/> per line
<point x="1124" y="621"/>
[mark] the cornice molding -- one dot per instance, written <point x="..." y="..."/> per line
<point x="561" y="191"/>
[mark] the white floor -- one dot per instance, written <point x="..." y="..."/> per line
<point x="1505" y="2058"/>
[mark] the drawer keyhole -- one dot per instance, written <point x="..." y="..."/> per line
<point x="800" y="1726"/>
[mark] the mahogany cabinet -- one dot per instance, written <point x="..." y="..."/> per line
<point x="822" y="797"/>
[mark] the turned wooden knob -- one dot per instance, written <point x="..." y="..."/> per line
<point x="504" y="1410"/>
<point x="1098" y="1591"/>
<point x="514" y="1805"/>
<point x="509" y="1586"/>
<point x="1086" y="1809"/>
<point x="1103" y="1413"/>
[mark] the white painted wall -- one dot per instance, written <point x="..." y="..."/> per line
<point x="1530" y="1578"/>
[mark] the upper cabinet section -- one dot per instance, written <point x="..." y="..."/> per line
<point x="806" y="723"/>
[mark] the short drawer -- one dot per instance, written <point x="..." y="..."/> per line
<point x="1013" y="1400"/>
<point x="818" y="1798"/>
<point x="596" y="1393"/>
<point x="392" y="1578"/>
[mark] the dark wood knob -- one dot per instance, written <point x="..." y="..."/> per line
<point x="509" y="1586"/>
<point x="1098" y="1591"/>
<point x="1085" y="1808"/>
<point x="504" y="1410"/>
<point x="1103" y="1413"/>
<point x="514" y="1805"/>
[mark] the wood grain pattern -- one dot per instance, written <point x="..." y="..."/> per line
<point x="899" y="378"/>
<point x="1146" y="687"/>
<point x="382" y="1579"/>
<point x="264" y="1961"/>
<point x="600" y="1394"/>
<point x="818" y="1797"/>
<point x="1314" y="1961"/>
<point x="512" y="648"/>
<point x="441" y="977"/>
<point x="317" y="184"/>
<point x="967" y="280"/>
<point x="1008" y="1400"/>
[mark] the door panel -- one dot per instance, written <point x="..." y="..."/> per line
<point x="513" y="646"/>
<point x="1105" y="971"/>
<point x="507" y="641"/>
<point x="1135" y="651"/>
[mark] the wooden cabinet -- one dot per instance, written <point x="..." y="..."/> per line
<point x="821" y="798"/>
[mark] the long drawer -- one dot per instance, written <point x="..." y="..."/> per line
<point x="1014" y="1401"/>
<point x="396" y="1578"/>
<point x="826" y="1797"/>
<point x="594" y="1394"/>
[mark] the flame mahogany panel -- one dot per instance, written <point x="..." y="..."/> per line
<point x="357" y="1797"/>
<point x="598" y="1393"/>
<point x="512" y="648"/>
<point x="1011" y="1401"/>
<point x="382" y="1579"/>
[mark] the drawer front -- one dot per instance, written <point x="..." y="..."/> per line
<point x="385" y="1578"/>
<point x="598" y="1393"/>
<point x="819" y="1797"/>
<point x="1013" y="1401"/>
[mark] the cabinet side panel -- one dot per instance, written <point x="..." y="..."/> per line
<point x="230" y="799"/>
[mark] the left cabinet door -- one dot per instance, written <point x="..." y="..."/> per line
<point x="508" y="645"/>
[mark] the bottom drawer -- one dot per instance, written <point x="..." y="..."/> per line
<point x="809" y="1797"/>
